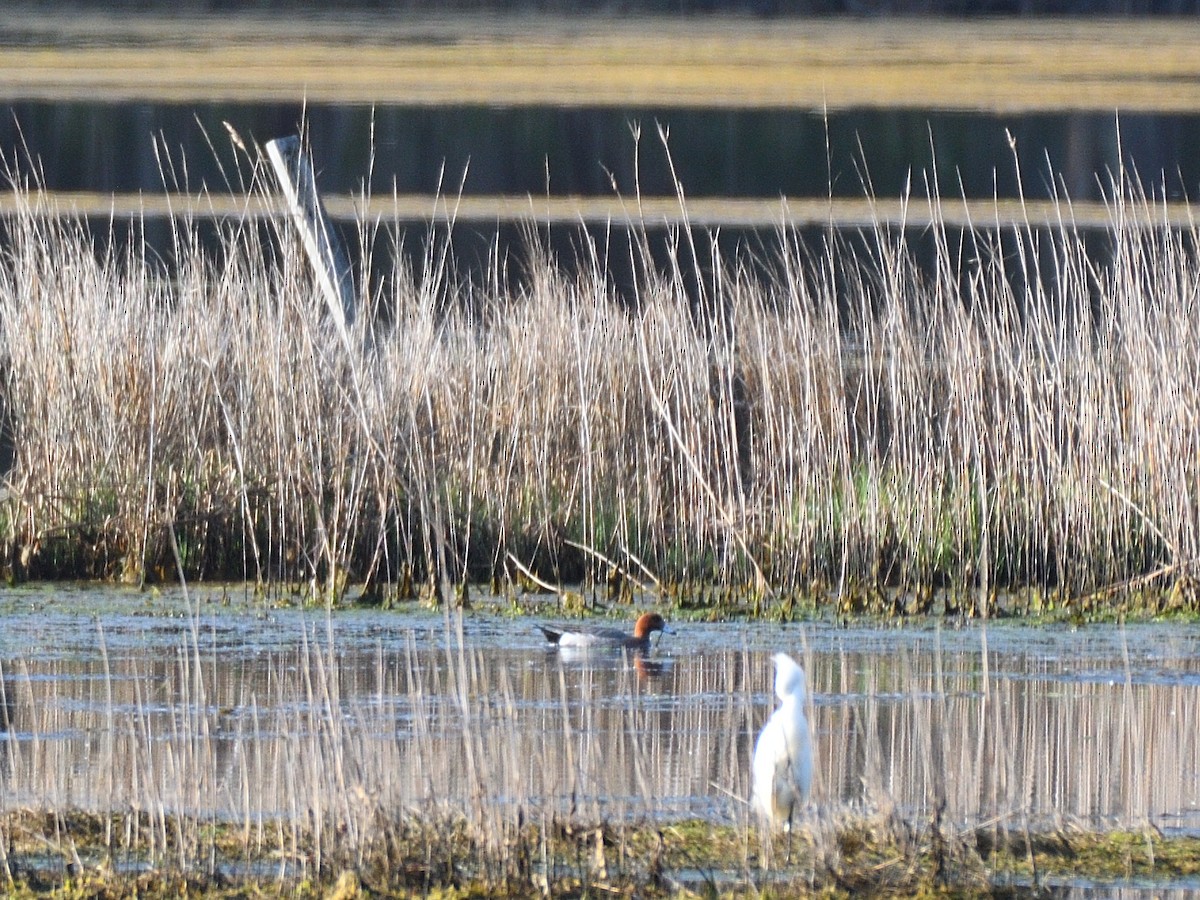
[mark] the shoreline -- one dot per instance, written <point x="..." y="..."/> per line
<point x="699" y="212"/>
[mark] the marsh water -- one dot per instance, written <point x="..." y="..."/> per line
<point x="221" y="706"/>
<point x="554" y="151"/>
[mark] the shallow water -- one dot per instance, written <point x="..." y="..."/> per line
<point x="1070" y="888"/>
<point x="118" y="700"/>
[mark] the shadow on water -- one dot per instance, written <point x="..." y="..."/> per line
<point x="540" y="151"/>
<point x="505" y="259"/>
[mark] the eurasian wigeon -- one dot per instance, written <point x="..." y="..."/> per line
<point x="782" y="768"/>
<point x="600" y="636"/>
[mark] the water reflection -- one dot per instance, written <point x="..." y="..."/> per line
<point x="254" y="716"/>
<point x="542" y="151"/>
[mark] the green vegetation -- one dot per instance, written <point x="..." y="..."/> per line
<point x="888" y="425"/>
<point x="78" y="855"/>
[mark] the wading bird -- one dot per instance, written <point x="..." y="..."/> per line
<point x="782" y="768"/>
<point x="597" y="636"/>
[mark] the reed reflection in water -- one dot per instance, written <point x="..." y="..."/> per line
<point x="1077" y="728"/>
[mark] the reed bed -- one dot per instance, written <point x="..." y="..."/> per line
<point x="899" y="420"/>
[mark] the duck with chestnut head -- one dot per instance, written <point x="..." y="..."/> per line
<point x="581" y="636"/>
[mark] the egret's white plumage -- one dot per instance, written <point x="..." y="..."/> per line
<point x="781" y="770"/>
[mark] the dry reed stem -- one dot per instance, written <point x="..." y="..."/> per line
<point x="994" y="409"/>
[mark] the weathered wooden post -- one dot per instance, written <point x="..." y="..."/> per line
<point x="294" y="170"/>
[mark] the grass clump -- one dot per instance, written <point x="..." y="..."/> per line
<point x="1104" y="856"/>
<point x="880" y="854"/>
<point x="73" y="855"/>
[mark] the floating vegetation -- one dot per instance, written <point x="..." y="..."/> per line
<point x="884" y="420"/>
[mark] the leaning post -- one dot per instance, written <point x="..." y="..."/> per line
<point x="294" y="171"/>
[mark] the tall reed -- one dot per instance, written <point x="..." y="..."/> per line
<point x="878" y="413"/>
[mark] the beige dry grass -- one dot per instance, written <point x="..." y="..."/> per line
<point x="995" y="408"/>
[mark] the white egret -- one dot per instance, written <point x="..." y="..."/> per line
<point x="782" y="768"/>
